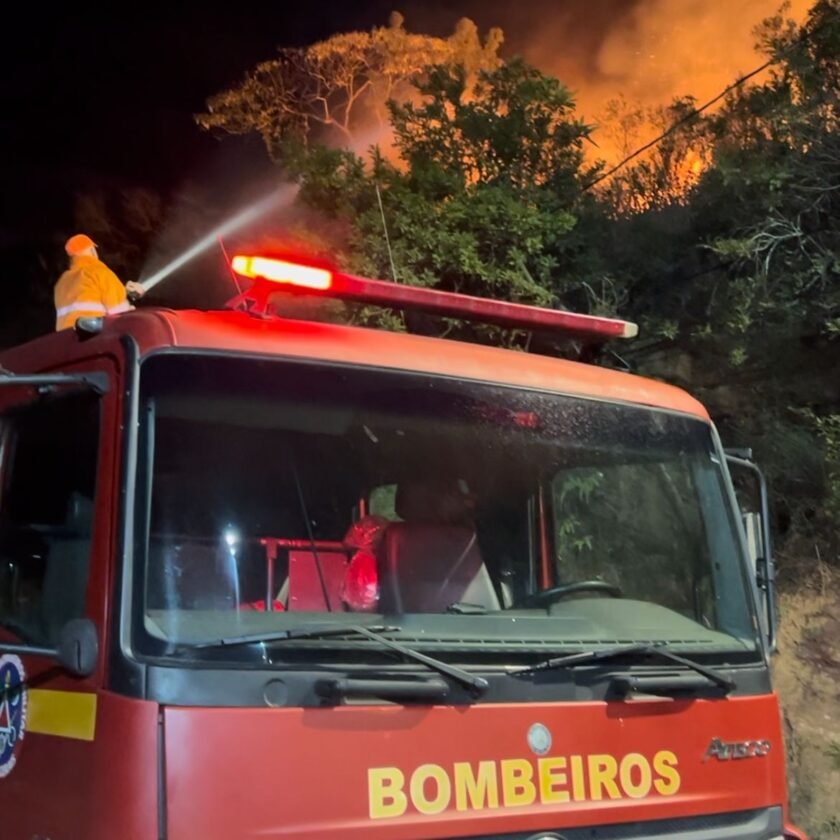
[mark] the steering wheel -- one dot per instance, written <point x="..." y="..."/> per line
<point x="549" y="596"/>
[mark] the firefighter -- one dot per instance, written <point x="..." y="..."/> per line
<point x="89" y="289"/>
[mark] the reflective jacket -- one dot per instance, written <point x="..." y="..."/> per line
<point x="88" y="289"/>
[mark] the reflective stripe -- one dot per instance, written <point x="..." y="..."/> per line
<point x="66" y="714"/>
<point x="120" y="307"/>
<point x="81" y="307"/>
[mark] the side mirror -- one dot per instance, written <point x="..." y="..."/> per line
<point x="751" y="492"/>
<point x="78" y="647"/>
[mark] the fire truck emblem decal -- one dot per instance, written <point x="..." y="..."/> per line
<point x="539" y="739"/>
<point x="12" y="710"/>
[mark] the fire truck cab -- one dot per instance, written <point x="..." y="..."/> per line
<point x="273" y="578"/>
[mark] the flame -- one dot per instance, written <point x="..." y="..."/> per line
<point x="692" y="167"/>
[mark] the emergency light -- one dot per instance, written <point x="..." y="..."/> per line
<point x="281" y="271"/>
<point x="268" y="273"/>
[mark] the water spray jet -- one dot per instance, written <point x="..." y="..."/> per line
<point x="282" y="197"/>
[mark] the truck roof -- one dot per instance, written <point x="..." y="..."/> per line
<point x="231" y="332"/>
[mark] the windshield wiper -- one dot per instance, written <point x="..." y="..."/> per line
<point x="478" y="685"/>
<point x="647" y="648"/>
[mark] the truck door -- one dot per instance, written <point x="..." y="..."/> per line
<point x="55" y="534"/>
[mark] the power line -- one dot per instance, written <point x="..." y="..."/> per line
<point x="697" y="111"/>
<point x="680" y="122"/>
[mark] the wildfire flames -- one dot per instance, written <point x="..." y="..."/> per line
<point x="692" y="166"/>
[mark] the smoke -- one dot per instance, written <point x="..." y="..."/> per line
<point x="692" y="47"/>
<point x="655" y="50"/>
<point x="647" y="52"/>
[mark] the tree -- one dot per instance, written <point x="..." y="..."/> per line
<point x="666" y="175"/>
<point x="723" y="240"/>
<point x="741" y="276"/>
<point x="778" y="157"/>
<point x="336" y="91"/>
<point x="480" y="188"/>
<point x="778" y="151"/>
<point x="486" y="198"/>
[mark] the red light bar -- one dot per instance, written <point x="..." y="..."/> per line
<point x="282" y="271"/>
<point x="396" y="296"/>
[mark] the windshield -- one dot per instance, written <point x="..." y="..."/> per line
<point x="473" y="517"/>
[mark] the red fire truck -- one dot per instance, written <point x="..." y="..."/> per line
<point x="263" y="577"/>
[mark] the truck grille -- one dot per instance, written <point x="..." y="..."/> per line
<point x="762" y="824"/>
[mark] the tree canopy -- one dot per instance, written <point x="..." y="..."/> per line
<point x="438" y="163"/>
<point x="338" y="89"/>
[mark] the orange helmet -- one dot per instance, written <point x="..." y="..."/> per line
<point x="78" y="244"/>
